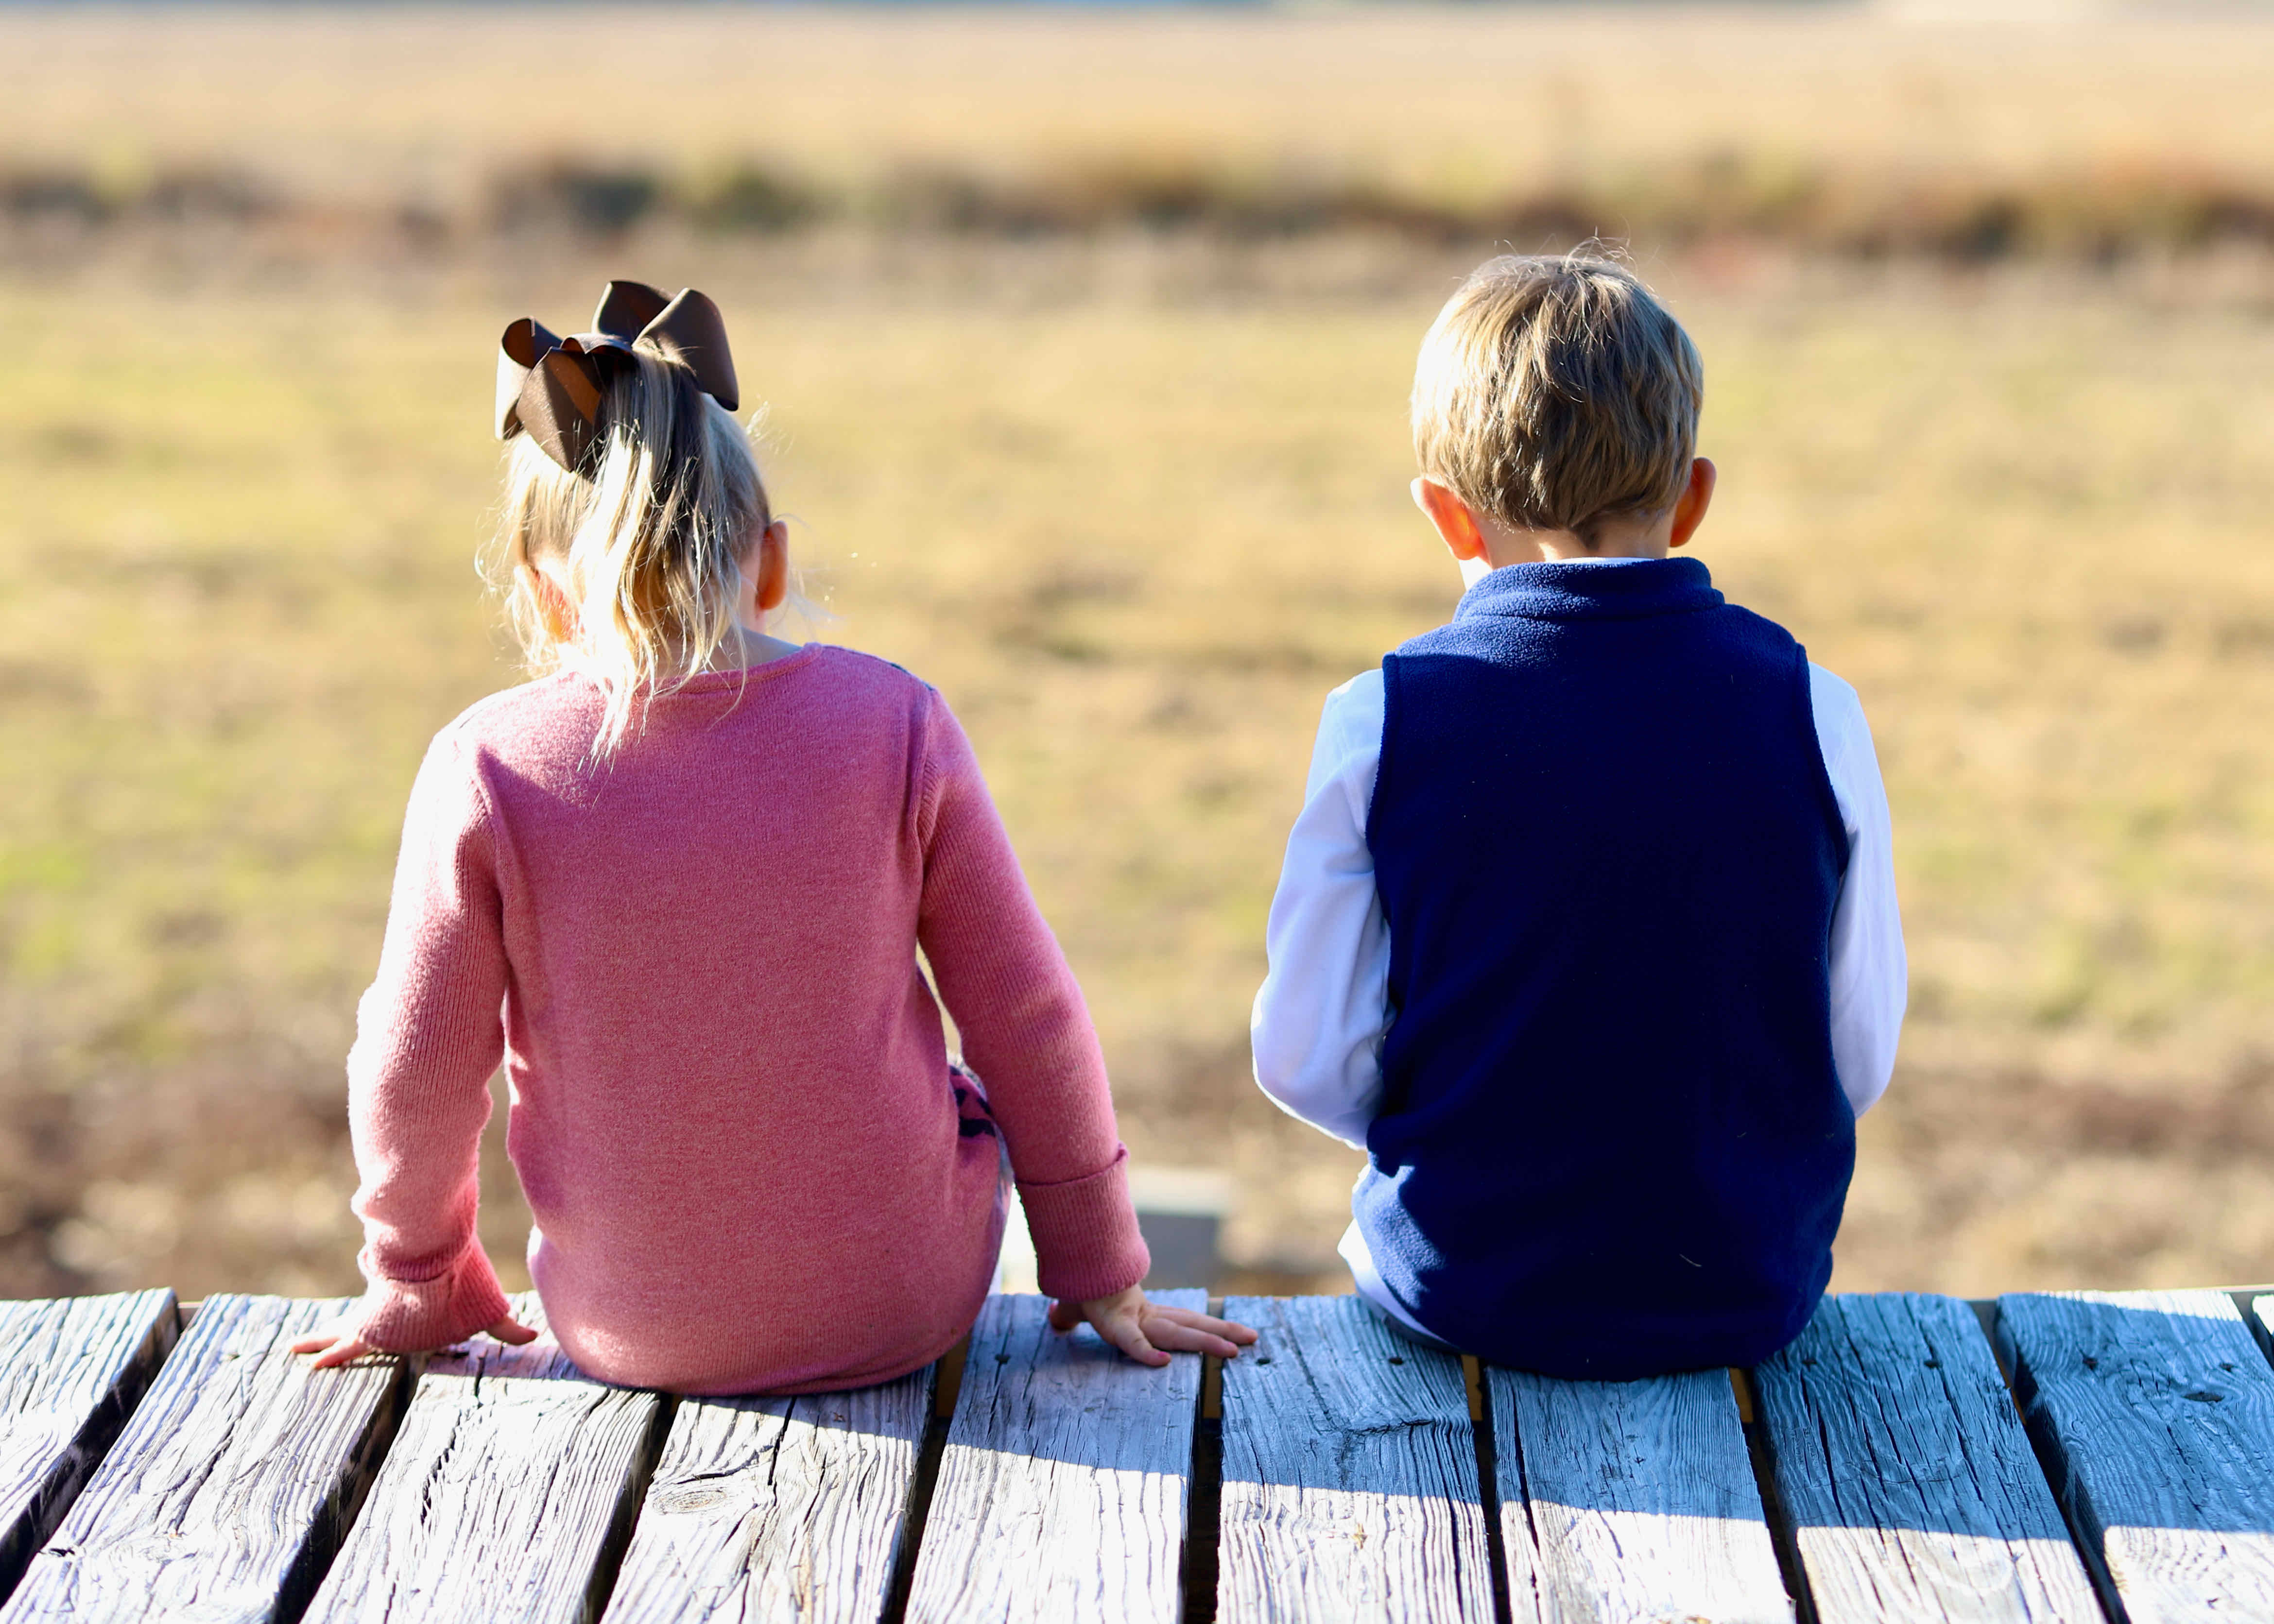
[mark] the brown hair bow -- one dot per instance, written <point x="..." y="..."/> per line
<point x="550" y="387"/>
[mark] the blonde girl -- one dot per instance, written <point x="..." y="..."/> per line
<point x="677" y="885"/>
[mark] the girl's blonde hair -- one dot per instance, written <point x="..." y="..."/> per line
<point x="649" y="534"/>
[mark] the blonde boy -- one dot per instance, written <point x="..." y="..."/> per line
<point x="1587" y="930"/>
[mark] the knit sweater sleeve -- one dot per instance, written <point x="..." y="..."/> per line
<point x="1025" y="1028"/>
<point x="428" y="1036"/>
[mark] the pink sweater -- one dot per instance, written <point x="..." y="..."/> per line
<point x="733" y="1113"/>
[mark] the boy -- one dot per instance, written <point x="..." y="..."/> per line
<point x="1587" y="931"/>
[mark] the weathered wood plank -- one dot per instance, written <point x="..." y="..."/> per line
<point x="229" y="1488"/>
<point x="778" y="1507"/>
<point x="508" y="1488"/>
<point x="1062" y="1492"/>
<point x="1910" y="1486"/>
<point x="71" y="1371"/>
<point x="1350" y="1473"/>
<point x="2155" y="1413"/>
<point x="1632" y="1499"/>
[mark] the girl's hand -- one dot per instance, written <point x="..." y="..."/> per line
<point x="336" y="1344"/>
<point x="1148" y="1332"/>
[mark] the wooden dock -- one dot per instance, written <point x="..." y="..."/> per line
<point x="2071" y="1456"/>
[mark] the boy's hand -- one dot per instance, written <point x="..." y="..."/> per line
<point x="336" y="1344"/>
<point x="1148" y="1332"/>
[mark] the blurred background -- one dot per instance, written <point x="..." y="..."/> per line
<point x="1083" y="336"/>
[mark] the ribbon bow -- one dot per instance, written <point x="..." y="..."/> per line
<point x="550" y="387"/>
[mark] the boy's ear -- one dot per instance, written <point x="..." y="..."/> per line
<point x="1689" y="508"/>
<point x="1456" y="524"/>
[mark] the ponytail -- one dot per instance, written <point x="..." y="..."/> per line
<point x="650" y="538"/>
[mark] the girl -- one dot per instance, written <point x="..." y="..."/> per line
<point x="677" y="886"/>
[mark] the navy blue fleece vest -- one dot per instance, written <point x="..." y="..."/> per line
<point x="1611" y="1142"/>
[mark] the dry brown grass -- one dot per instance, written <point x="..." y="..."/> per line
<point x="1135" y="504"/>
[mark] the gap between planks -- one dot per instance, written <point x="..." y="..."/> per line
<point x="1204" y="1497"/>
<point x="947" y="1387"/>
<point x="1784" y="1537"/>
<point x="1481" y="1432"/>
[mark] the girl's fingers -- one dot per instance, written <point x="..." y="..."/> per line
<point x="1191" y="1338"/>
<point x="345" y="1350"/>
<point x="1148" y="1332"/>
<point x="1124" y="1333"/>
<point x="333" y="1347"/>
<point x="1231" y="1330"/>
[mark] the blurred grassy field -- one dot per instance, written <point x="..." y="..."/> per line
<point x="1135" y="506"/>
<point x="361" y="99"/>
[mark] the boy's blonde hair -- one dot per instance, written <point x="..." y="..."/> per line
<point x="1555" y="391"/>
<point x="652" y="534"/>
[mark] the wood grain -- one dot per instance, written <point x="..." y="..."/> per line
<point x="1903" y="1468"/>
<point x="1636" y="1499"/>
<point x="71" y="1371"/>
<point x="506" y="1494"/>
<point x="2155" y="1412"/>
<point x="778" y="1507"/>
<point x="1062" y="1492"/>
<point x="1350" y="1473"/>
<point x="228" y="1489"/>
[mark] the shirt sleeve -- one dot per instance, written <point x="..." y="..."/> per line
<point x="1324" y="1006"/>
<point x="428" y="1036"/>
<point x="1871" y="975"/>
<point x="1026" y="1029"/>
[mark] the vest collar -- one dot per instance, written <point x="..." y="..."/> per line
<point x="1609" y="589"/>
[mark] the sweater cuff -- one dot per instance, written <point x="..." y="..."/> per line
<point x="419" y="1316"/>
<point x="1085" y="1233"/>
